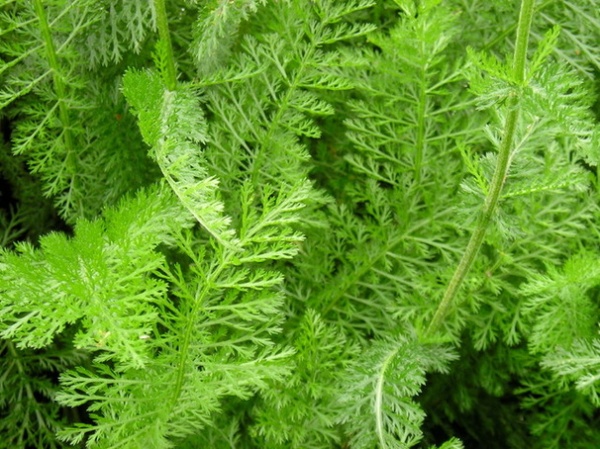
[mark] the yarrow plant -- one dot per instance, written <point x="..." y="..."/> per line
<point x="299" y="224"/>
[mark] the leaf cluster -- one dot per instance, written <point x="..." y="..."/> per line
<point x="231" y="224"/>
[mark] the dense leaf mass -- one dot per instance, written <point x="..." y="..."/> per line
<point x="299" y="224"/>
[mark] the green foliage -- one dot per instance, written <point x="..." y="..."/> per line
<point x="299" y="224"/>
<point x="308" y="398"/>
<point x="559" y="300"/>
<point x="101" y="276"/>
<point x="70" y="119"/>
<point x="377" y="403"/>
<point x="30" y="416"/>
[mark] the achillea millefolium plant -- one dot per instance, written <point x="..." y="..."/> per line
<point x="306" y="224"/>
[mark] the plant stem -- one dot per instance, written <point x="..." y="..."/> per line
<point x="59" y="84"/>
<point x="379" y="399"/>
<point x="520" y="57"/>
<point x="500" y="173"/>
<point x="165" y="37"/>
<point x="420" y="144"/>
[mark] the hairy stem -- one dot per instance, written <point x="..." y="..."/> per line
<point x="165" y="36"/>
<point x="500" y="173"/>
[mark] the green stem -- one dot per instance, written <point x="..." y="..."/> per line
<point x="200" y="296"/>
<point x="378" y="406"/>
<point x="420" y="144"/>
<point x="59" y="84"/>
<point x="512" y="28"/>
<point x="500" y="173"/>
<point x="520" y="57"/>
<point x="165" y="37"/>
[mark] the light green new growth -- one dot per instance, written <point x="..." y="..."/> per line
<point x="275" y="224"/>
